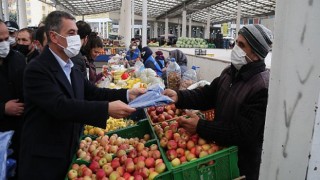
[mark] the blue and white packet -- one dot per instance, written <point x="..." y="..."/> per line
<point x="5" y="138"/>
<point x="153" y="97"/>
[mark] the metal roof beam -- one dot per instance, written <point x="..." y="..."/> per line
<point x="176" y="8"/>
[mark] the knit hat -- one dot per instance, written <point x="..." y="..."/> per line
<point x="259" y="38"/>
<point x="12" y="26"/>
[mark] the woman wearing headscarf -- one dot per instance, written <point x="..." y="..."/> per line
<point x="181" y="59"/>
<point x="149" y="61"/>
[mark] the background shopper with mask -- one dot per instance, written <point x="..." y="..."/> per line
<point x="133" y="54"/>
<point x="92" y="50"/>
<point x="25" y="44"/>
<point x="13" y="32"/>
<point x="239" y="96"/>
<point x="12" y="65"/>
<point x="40" y="39"/>
<point x="58" y="101"/>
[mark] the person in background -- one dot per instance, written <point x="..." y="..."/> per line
<point x="12" y="65"/>
<point x="138" y="41"/>
<point x="25" y="44"/>
<point x="58" y="101"/>
<point x="40" y="39"/>
<point x="149" y="61"/>
<point x="181" y="59"/>
<point x="79" y="60"/>
<point x="133" y="54"/>
<point x="160" y="59"/>
<point x="13" y="32"/>
<point x="239" y="96"/>
<point x="93" y="48"/>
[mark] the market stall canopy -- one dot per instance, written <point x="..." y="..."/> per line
<point x="218" y="10"/>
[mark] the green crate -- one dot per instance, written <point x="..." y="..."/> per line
<point x="167" y="175"/>
<point x="138" y="130"/>
<point x="225" y="166"/>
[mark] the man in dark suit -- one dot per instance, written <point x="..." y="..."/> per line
<point x="12" y="65"/>
<point x="58" y="100"/>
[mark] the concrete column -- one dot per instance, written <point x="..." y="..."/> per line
<point x="107" y="32"/>
<point x="124" y="30"/>
<point x="184" y="23"/>
<point x="190" y="27"/>
<point x="207" y="31"/>
<point x="22" y="14"/>
<point x="166" y="29"/>
<point x="132" y="18"/>
<point x="1" y="12"/>
<point x="238" y="18"/>
<point x="155" y="31"/>
<point x="99" y="30"/>
<point x="144" y="22"/>
<point x="291" y="138"/>
<point x="103" y="30"/>
<point x="5" y="10"/>
<point x="179" y="31"/>
<point x="174" y="30"/>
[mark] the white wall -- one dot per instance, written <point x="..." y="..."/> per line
<point x="290" y="130"/>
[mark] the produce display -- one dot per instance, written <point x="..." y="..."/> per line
<point x="180" y="146"/>
<point x="163" y="113"/>
<point x="117" y="158"/>
<point x="153" y="44"/>
<point x="184" y="42"/>
<point x="173" y="80"/>
<point x="112" y="124"/>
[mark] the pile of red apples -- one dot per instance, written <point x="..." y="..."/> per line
<point x="116" y="158"/>
<point x="162" y="113"/>
<point x="180" y="146"/>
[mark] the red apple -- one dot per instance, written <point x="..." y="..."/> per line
<point x="164" y="124"/>
<point x="171" y="154"/>
<point x="159" y="110"/>
<point x="175" y="162"/>
<point x="163" y="142"/>
<point x="139" y="147"/>
<point x="167" y="107"/>
<point x="120" y="170"/>
<point x="161" y="118"/>
<point x="168" y="134"/>
<point x="182" y="144"/>
<point x="132" y="153"/>
<point x="156" y="154"/>
<point x="190" y="144"/>
<point x="115" y="163"/>
<point x="183" y="159"/>
<point x="180" y="152"/>
<point x="172" y="144"/>
<point x="114" y="175"/>
<point x="153" y="147"/>
<point x="129" y="167"/>
<point x="94" y="166"/>
<point x="100" y="174"/>
<point x="176" y="137"/>
<point x="203" y="154"/>
<point x="149" y="162"/>
<point x="102" y="161"/>
<point x="158" y="161"/>
<point x="72" y="174"/>
<point x="107" y="169"/>
<point x="160" y="167"/>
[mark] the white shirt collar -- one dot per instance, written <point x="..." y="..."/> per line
<point x="61" y="62"/>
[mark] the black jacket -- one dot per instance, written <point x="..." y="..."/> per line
<point x="11" y="72"/>
<point x="32" y="56"/>
<point x="80" y="63"/>
<point x="55" y="111"/>
<point x="240" y="100"/>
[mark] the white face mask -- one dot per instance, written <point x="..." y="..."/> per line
<point x="138" y="43"/>
<point x="73" y="45"/>
<point x="4" y="49"/>
<point x="134" y="47"/>
<point x="12" y="40"/>
<point x="238" y="57"/>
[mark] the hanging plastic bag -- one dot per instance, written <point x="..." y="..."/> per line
<point x="138" y="67"/>
<point x="5" y="138"/>
<point x="153" y="97"/>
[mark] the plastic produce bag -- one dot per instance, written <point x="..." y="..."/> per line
<point x="153" y="97"/>
<point x="5" y="138"/>
<point x="138" y="67"/>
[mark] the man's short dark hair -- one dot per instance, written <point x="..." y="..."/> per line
<point x="54" y="20"/>
<point x="39" y="34"/>
<point x="28" y="30"/>
<point x="84" y="29"/>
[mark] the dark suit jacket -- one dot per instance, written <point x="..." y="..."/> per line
<point x="55" y="110"/>
<point x="11" y="72"/>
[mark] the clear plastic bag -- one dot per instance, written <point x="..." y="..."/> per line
<point x="5" y="138"/>
<point x="138" y="67"/>
<point x="153" y="97"/>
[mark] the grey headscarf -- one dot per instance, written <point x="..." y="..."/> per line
<point x="181" y="59"/>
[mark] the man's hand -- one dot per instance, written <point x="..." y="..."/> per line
<point x="135" y="92"/>
<point x="171" y="94"/>
<point x="189" y="124"/>
<point x="14" y="108"/>
<point x="118" y="109"/>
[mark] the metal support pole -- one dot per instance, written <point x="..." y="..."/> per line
<point x="166" y="29"/>
<point x="144" y="22"/>
<point x="5" y="10"/>
<point x="132" y="18"/>
<point x="190" y="26"/>
<point x="238" y="18"/>
<point x="184" y="23"/>
<point x="22" y="14"/>
<point x="155" y="34"/>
